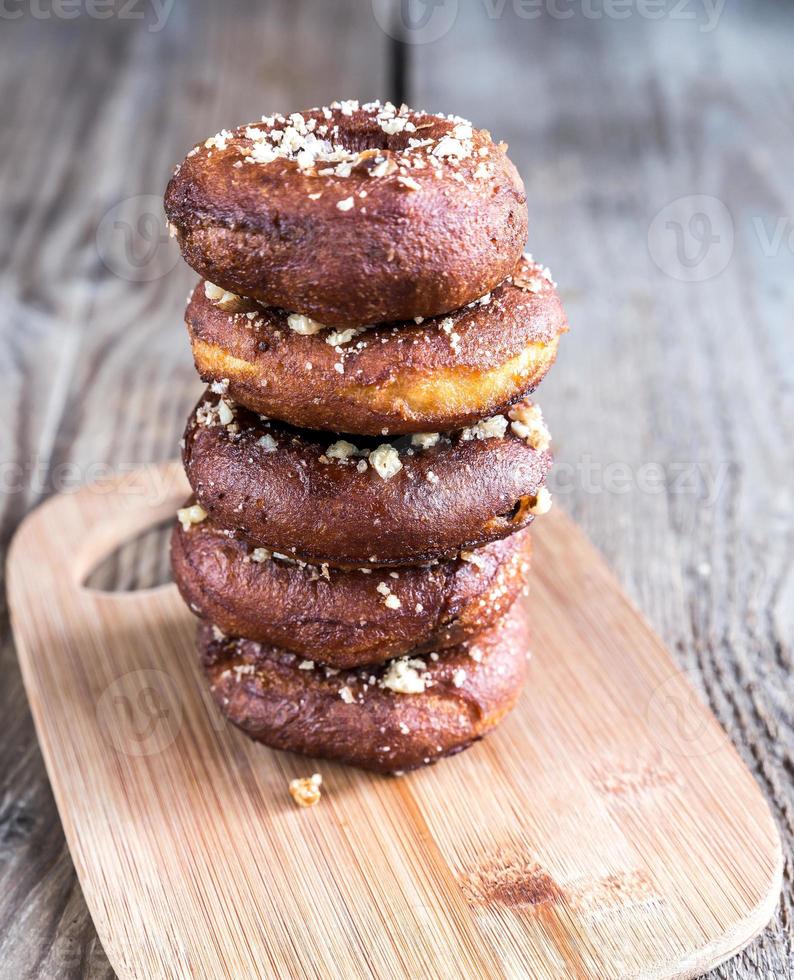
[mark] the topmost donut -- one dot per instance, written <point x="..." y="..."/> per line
<point x="351" y="214"/>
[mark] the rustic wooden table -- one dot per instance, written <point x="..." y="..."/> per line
<point x="656" y="143"/>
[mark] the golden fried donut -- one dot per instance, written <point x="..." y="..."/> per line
<point x="351" y="214"/>
<point x="320" y="498"/>
<point x="345" y="618"/>
<point x="392" y="378"/>
<point x="392" y="717"/>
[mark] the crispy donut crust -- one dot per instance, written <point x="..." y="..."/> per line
<point x="262" y="691"/>
<point x="339" y="617"/>
<point x="275" y="485"/>
<point x="442" y="374"/>
<point x="421" y="248"/>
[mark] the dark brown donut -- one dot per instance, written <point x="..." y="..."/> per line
<point x="351" y="716"/>
<point x="442" y="374"/>
<point x="341" y="218"/>
<point x="345" y="618"/>
<point x="285" y="489"/>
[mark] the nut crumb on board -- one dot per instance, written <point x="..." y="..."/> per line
<point x="306" y="791"/>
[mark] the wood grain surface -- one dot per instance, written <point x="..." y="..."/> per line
<point x="607" y="830"/>
<point x="672" y="402"/>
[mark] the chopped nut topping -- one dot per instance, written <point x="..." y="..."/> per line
<point x="385" y="460"/>
<point x="346" y="204"/>
<point x="341" y="450"/>
<point x="540" y="503"/>
<point x="449" y="146"/>
<point x="403" y="676"/>
<point x="346" y="695"/>
<point x="527" y="423"/>
<point x="306" y="792"/>
<point x="260" y="555"/>
<point x="188" y="516"/>
<point x="533" y="280"/>
<point x="384" y="168"/>
<point x="340" y="337"/>
<point x="424" y="440"/>
<point x="225" y="412"/>
<point x="492" y="428"/>
<point x="222" y="298"/>
<point x="304" y="325"/>
<point x="473" y="558"/>
<point x="390" y="600"/>
<point x="219" y="141"/>
<point x="315" y="144"/>
<point x="207" y="414"/>
<point x="396" y="124"/>
<point x="220" y="387"/>
<point x="267" y="442"/>
<point x="459" y="677"/>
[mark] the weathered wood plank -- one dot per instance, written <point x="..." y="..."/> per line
<point x="96" y="367"/>
<point x="672" y="401"/>
<point x="610" y="121"/>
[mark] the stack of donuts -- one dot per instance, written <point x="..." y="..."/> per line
<point x="365" y="460"/>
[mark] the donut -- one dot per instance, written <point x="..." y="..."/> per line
<point x="344" y="618"/>
<point x="392" y="717"/>
<point x="443" y="373"/>
<point x="322" y="498"/>
<point x="351" y="214"/>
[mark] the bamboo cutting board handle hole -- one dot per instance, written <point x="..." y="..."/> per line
<point x="140" y="561"/>
<point x="125" y="548"/>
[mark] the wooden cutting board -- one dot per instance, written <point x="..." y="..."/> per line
<point x="607" y="829"/>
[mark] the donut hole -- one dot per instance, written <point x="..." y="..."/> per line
<point x="363" y="134"/>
